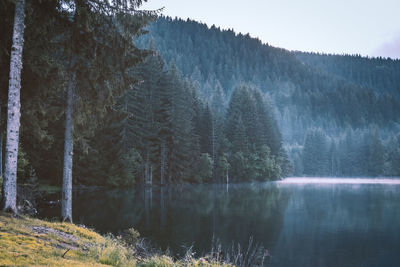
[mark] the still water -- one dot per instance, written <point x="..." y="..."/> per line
<point x="301" y="221"/>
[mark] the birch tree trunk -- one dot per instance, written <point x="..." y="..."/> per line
<point x="66" y="203"/>
<point x="1" y="155"/>
<point x="1" y="146"/>
<point x="14" y="110"/>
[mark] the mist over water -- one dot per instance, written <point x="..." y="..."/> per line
<point x="301" y="221"/>
<point x="334" y="180"/>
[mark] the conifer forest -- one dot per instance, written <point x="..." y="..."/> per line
<point x="106" y="94"/>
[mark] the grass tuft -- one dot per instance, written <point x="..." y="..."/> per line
<point x="25" y="241"/>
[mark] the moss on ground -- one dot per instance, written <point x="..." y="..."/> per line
<point x="26" y="241"/>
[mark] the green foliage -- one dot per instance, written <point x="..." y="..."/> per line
<point x="264" y="165"/>
<point x="240" y="167"/>
<point x="130" y="237"/>
<point x="223" y="165"/>
<point x="340" y="89"/>
<point x="113" y="253"/>
<point x="392" y="167"/>
<point x="204" y="169"/>
<point x="252" y="132"/>
<point x="99" y="39"/>
<point x="23" y="165"/>
<point x="355" y="153"/>
<point x="305" y="91"/>
<point x="315" y="152"/>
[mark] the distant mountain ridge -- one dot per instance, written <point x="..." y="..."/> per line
<point x="379" y="73"/>
<point x="333" y="93"/>
<point x="345" y="89"/>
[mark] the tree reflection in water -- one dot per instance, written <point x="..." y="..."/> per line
<point x="300" y="224"/>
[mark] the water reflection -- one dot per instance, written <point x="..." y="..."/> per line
<point x="340" y="225"/>
<point x="301" y="224"/>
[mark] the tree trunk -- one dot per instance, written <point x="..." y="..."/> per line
<point x="148" y="199"/>
<point x="151" y="175"/>
<point x="163" y="211"/>
<point x="163" y="164"/>
<point x="14" y="110"/>
<point x="1" y="145"/>
<point x="66" y="203"/>
<point x="214" y="156"/>
<point x="146" y="173"/>
<point x="227" y="180"/>
<point x="214" y="211"/>
<point x="148" y="170"/>
<point x="1" y="155"/>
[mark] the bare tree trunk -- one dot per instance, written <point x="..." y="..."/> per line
<point x="146" y="205"/>
<point x="163" y="212"/>
<point x="14" y="110"/>
<point x="163" y="164"/>
<point x="66" y="203"/>
<point x="151" y="175"/>
<point x="148" y="199"/>
<point x="1" y="155"/>
<point x="1" y="145"/>
<point x="214" y="211"/>
<point x="214" y="156"/>
<point x="146" y="171"/>
<point x="227" y="180"/>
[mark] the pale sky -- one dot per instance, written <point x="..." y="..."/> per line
<point x="366" y="27"/>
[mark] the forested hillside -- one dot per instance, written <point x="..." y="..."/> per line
<point x="341" y="99"/>
<point x="188" y="103"/>
<point x="111" y="111"/>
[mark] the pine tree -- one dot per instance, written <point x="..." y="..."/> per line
<point x="102" y="41"/>
<point x="393" y="151"/>
<point x="375" y="155"/>
<point x="206" y="132"/>
<point x="315" y="153"/>
<point x="150" y="106"/>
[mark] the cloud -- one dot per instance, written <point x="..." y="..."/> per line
<point x="389" y="49"/>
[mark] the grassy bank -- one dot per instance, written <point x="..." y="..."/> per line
<point x="26" y="241"/>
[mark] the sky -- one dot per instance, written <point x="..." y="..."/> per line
<point x="366" y="27"/>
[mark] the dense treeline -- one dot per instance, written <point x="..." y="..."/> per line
<point x="167" y="134"/>
<point x="120" y="113"/>
<point x="366" y="151"/>
<point x="353" y="153"/>
<point x="76" y="57"/>
<point x="337" y="94"/>
<point x="211" y="56"/>
<point x="186" y="103"/>
<point x="382" y="74"/>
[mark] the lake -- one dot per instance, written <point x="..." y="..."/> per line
<point x="301" y="221"/>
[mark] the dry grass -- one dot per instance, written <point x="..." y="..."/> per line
<point x="26" y="241"/>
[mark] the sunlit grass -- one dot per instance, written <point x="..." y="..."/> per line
<point x="26" y="241"/>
